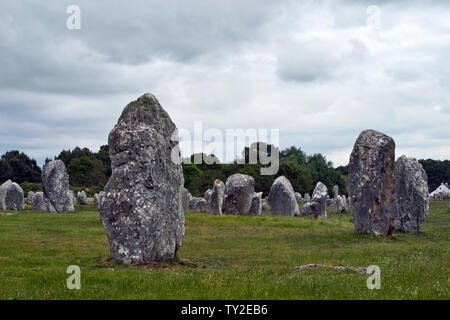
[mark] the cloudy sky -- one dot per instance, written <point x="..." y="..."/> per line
<point x="319" y="71"/>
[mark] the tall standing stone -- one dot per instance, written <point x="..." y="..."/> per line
<point x="55" y="182"/>
<point x="142" y="209"/>
<point x="319" y="201"/>
<point x="239" y="190"/>
<point x="371" y="183"/>
<point x="11" y="196"/>
<point x="411" y="194"/>
<point x="256" y="207"/>
<point x="340" y="203"/>
<point x="217" y="195"/>
<point x="282" y="198"/>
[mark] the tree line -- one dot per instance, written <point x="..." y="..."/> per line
<point x="91" y="170"/>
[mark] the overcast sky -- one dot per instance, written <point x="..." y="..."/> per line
<point x="315" y="70"/>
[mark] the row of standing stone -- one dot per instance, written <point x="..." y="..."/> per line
<point x="56" y="197"/>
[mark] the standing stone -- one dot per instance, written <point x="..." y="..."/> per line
<point x="30" y="197"/>
<point x="335" y="191"/>
<point x="256" y="207"/>
<point x="96" y="200"/>
<point x="319" y="201"/>
<point x="82" y="198"/>
<point x="282" y="198"/>
<point x="411" y="194"/>
<point x="193" y="203"/>
<point x="217" y="195"/>
<point x="55" y="182"/>
<point x="298" y="197"/>
<point x="39" y="202"/>
<point x="265" y="205"/>
<point x="239" y="190"/>
<point x="201" y="205"/>
<point x="340" y="204"/>
<point x="141" y="209"/>
<point x="185" y="197"/>
<point x="307" y="197"/>
<point x="371" y="183"/>
<point x="306" y="209"/>
<point x="207" y="196"/>
<point x="11" y="196"/>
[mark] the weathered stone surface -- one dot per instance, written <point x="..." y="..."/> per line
<point x="38" y="202"/>
<point x="217" y="196"/>
<point x="141" y="209"/>
<point x="96" y="199"/>
<point x="30" y="197"/>
<point x="371" y="183"/>
<point x="265" y="205"/>
<point x="193" y="203"/>
<point x="239" y="190"/>
<point x="256" y="207"/>
<point x="207" y="196"/>
<point x="185" y="197"/>
<point x="11" y="196"/>
<point x="298" y="197"/>
<point x="201" y="205"/>
<point x="55" y="182"/>
<point x="307" y="198"/>
<point x="411" y="194"/>
<point x="319" y="201"/>
<point x="82" y="198"/>
<point x="340" y="204"/>
<point x="335" y="191"/>
<point x="306" y="209"/>
<point x="282" y="198"/>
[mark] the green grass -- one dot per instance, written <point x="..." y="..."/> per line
<point x="224" y="257"/>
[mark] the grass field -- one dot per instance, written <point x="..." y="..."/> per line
<point x="224" y="257"/>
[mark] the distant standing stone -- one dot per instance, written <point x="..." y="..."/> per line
<point x="265" y="205"/>
<point x="411" y="194"/>
<point x="82" y="198"/>
<point x="371" y="183"/>
<point x="335" y="191"/>
<point x="55" y="182"/>
<point x="185" y="197"/>
<point x="141" y="209"/>
<point x="282" y="198"/>
<point x="30" y="197"/>
<point x="306" y="209"/>
<point x="307" y="197"/>
<point x="256" y="207"/>
<point x="201" y="205"/>
<point x="340" y="204"/>
<point x="239" y="190"/>
<point x="319" y="201"/>
<point x="217" y="195"/>
<point x="38" y="202"/>
<point x="298" y="197"/>
<point x="207" y="196"/>
<point x="11" y="196"/>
